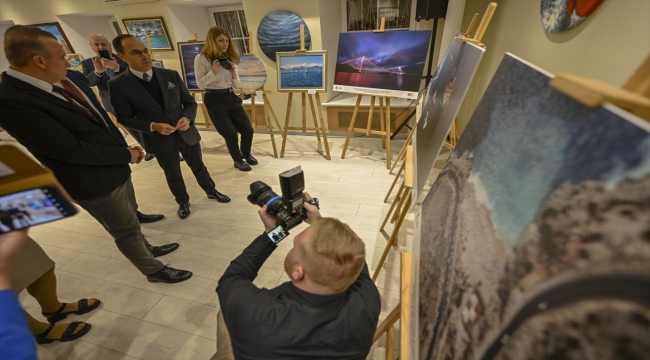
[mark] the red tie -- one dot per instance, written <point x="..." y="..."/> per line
<point x="69" y="90"/>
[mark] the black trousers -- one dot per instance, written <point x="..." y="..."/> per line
<point x="172" y="167"/>
<point x="229" y="118"/>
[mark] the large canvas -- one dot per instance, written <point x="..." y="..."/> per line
<point x="55" y="29"/>
<point x="280" y="31"/>
<point x="252" y="73"/>
<point x="389" y="63"/>
<point x="440" y="106"/>
<point x="302" y="71"/>
<point x="154" y="27"/>
<point x="534" y="241"/>
<point x="562" y="15"/>
<point x="187" y="51"/>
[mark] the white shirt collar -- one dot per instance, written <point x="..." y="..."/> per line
<point x="140" y="74"/>
<point x="43" y="85"/>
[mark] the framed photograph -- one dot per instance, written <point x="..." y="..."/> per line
<point x="301" y="70"/>
<point x="158" y="64"/>
<point x="55" y="29"/>
<point x="75" y="61"/>
<point x="187" y="51"/>
<point x="154" y="27"/>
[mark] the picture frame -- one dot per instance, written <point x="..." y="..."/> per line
<point x="302" y="71"/>
<point x="55" y="29"/>
<point x="158" y="64"/>
<point x="187" y="51"/>
<point x="75" y="61"/>
<point x="152" y="26"/>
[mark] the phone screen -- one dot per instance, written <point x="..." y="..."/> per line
<point x="32" y="207"/>
<point x="278" y="234"/>
<point x="104" y="54"/>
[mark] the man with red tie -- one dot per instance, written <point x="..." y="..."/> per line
<point x="54" y="114"/>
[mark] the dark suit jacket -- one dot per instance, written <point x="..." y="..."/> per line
<point x="89" y="159"/>
<point x="102" y="81"/>
<point x="136" y="109"/>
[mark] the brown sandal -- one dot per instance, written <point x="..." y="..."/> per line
<point x="67" y="334"/>
<point x="82" y="306"/>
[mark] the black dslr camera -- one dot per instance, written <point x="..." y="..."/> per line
<point x="288" y="209"/>
<point x="224" y="62"/>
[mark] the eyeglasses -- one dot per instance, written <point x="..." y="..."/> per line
<point x="139" y="53"/>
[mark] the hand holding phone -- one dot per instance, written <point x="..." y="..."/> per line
<point x="104" y="54"/>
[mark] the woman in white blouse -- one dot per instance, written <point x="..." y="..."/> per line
<point x="223" y="105"/>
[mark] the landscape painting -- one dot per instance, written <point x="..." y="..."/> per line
<point x="154" y="27"/>
<point x="562" y="15"/>
<point x="391" y="61"/>
<point x="187" y="51"/>
<point x="280" y="31"/>
<point x="440" y="105"/>
<point x="252" y="73"/>
<point x="534" y="241"/>
<point x="301" y="71"/>
<point x="55" y="29"/>
<point x="75" y="61"/>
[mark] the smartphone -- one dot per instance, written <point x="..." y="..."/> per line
<point x="104" y="54"/>
<point x="278" y="234"/>
<point x="33" y="207"/>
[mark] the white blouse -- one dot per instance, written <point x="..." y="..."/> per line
<point x="206" y="79"/>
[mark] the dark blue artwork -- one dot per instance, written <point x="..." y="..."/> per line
<point x="391" y="60"/>
<point x="188" y="51"/>
<point x="280" y="31"/>
<point x="301" y="72"/>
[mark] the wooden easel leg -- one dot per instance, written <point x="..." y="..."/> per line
<point x="391" y="242"/>
<point x="370" y="113"/>
<point x="313" y="115"/>
<point x="382" y="121"/>
<point x="399" y="207"/>
<point x="395" y="181"/>
<point x="323" y="129"/>
<point x="304" y="112"/>
<point x="351" y="127"/>
<point x="275" y="118"/>
<point x="286" y="124"/>
<point x="253" y="116"/>
<point x="206" y="115"/>
<point x="388" y="133"/>
<point x="402" y="151"/>
<point x="269" y="126"/>
<point x="403" y="209"/>
<point x="392" y="206"/>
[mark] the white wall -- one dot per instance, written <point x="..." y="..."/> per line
<point x="186" y="19"/>
<point x="4" y="65"/>
<point x="79" y="28"/>
<point x="330" y="27"/>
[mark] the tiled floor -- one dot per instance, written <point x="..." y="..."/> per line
<point x="140" y="320"/>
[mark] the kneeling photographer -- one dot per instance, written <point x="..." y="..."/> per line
<point x="330" y="307"/>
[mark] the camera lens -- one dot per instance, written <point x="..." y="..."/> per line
<point x="224" y="63"/>
<point x="262" y="194"/>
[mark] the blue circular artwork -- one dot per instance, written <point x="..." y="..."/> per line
<point x="562" y="15"/>
<point x="280" y="31"/>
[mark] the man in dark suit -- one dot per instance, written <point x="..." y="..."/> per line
<point x="157" y="103"/>
<point x="55" y="115"/>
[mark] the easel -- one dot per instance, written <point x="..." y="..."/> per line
<point x="384" y="117"/>
<point x="400" y="312"/>
<point x="311" y="94"/>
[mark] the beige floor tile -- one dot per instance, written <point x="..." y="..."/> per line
<point x="79" y="350"/>
<point x="75" y="241"/>
<point x="211" y="248"/>
<point x="59" y="255"/>
<point x="186" y="316"/>
<point x="173" y="224"/>
<point x="84" y="226"/>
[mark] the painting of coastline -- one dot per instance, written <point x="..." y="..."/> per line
<point x="392" y="60"/>
<point x="154" y="27"/>
<point x="534" y="241"/>
<point x="75" y="61"/>
<point x="55" y="29"/>
<point x="301" y="71"/>
<point x="187" y="51"/>
<point x="562" y="15"/>
<point x="252" y="73"/>
<point x="280" y="31"/>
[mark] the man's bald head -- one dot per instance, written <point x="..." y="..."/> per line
<point x="100" y="42"/>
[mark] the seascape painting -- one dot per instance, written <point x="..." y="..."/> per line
<point x="562" y="15"/>
<point x="440" y="105"/>
<point x="75" y="61"/>
<point x="154" y="27"/>
<point x="158" y="64"/>
<point x="252" y="73"/>
<point x="534" y="241"/>
<point x="392" y="61"/>
<point x="55" y="29"/>
<point x="187" y="51"/>
<point x="280" y="31"/>
<point x="301" y="71"/>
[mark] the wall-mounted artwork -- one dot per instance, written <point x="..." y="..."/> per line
<point x="187" y="51"/>
<point x="440" y="106"/>
<point x="158" y="64"/>
<point x="391" y="61"/>
<point x="562" y="15"/>
<point x="154" y="27"/>
<point x="75" y="61"/>
<point x="55" y="29"/>
<point x="252" y="73"/>
<point x="280" y="31"/>
<point x="534" y="241"/>
<point x="302" y="70"/>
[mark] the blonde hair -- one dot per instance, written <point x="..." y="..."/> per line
<point x="335" y="255"/>
<point x="211" y="49"/>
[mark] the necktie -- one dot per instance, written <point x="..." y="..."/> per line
<point x="110" y="73"/>
<point x="70" y="93"/>
<point x="146" y="77"/>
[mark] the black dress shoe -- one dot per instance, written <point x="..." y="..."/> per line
<point x="144" y="219"/>
<point x="149" y="157"/>
<point x="219" y="197"/>
<point x="250" y="160"/>
<point x="169" y="275"/>
<point x="242" y="166"/>
<point x="184" y="210"/>
<point x="164" y="249"/>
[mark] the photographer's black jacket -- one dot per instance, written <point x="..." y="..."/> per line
<point x="288" y="323"/>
